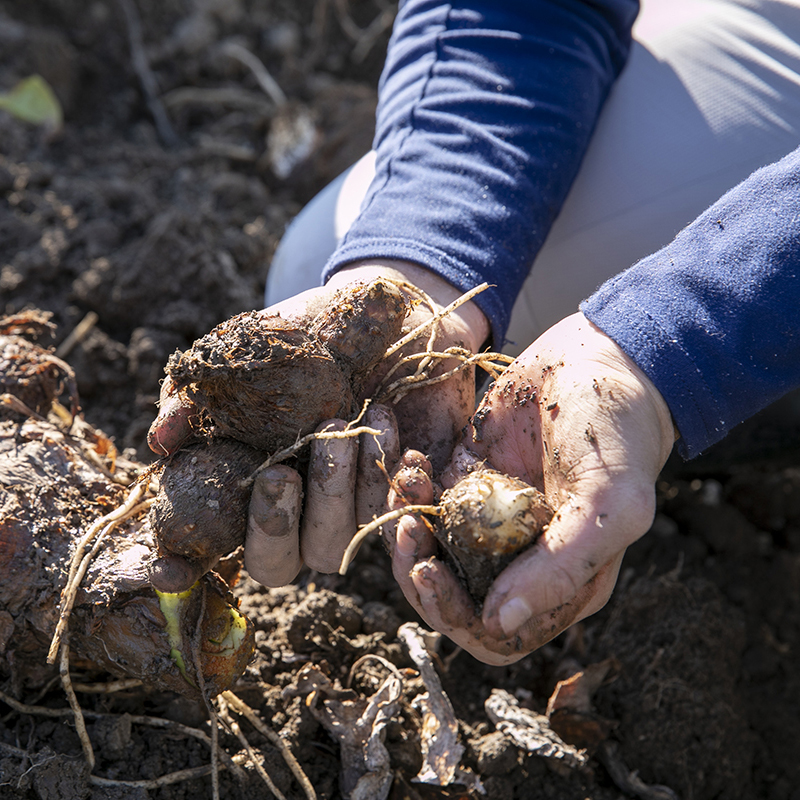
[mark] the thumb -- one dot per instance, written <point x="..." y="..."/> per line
<point x="575" y="560"/>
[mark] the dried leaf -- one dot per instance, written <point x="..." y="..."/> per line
<point x="531" y="731"/>
<point x="441" y="750"/>
<point x="358" y="725"/>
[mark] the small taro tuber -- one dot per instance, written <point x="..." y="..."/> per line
<point x="486" y="520"/>
<point x="259" y="383"/>
<point x="54" y="484"/>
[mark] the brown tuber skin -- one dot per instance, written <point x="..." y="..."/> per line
<point x="201" y="492"/>
<point x="487" y="519"/>
<point x="51" y="491"/>
<point x="263" y="381"/>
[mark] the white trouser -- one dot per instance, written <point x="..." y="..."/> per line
<point x="710" y="93"/>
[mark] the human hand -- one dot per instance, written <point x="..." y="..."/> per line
<point x="344" y="485"/>
<point x="575" y="417"/>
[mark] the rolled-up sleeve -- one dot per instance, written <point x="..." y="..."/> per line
<point x="485" y="112"/>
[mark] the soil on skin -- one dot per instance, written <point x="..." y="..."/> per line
<point x="164" y="239"/>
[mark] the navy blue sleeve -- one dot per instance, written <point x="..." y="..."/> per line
<point x="486" y="108"/>
<point x="713" y="319"/>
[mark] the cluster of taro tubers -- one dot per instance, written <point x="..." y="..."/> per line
<point x="258" y="383"/>
<point x="62" y="486"/>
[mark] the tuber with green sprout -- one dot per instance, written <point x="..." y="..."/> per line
<point x="259" y="382"/>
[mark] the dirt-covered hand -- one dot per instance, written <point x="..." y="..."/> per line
<point x="575" y="417"/>
<point x="292" y="521"/>
<point x="346" y="483"/>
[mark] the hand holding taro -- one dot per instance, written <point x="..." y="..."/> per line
<point x="572" y="416"/>
<point x="343" y="486"/>
<point x="576" y="417"/>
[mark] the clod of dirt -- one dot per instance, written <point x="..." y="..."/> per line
<point x="487" y="519"/>
<point x="265" y="380"/>
<point x="28" y="371"/>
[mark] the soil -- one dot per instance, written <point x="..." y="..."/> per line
<point x="152" y="233"/>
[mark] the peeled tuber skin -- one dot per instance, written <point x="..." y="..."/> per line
<point x="486" y="520"/>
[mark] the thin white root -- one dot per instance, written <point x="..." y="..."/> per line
<point x="155" y="783"/>
<point x="226" y="717"/>
<point x="372" y="657"/>
<point x="370" y="527"/>
<point x="77" y="712"/>
<point x="79" y="564"/>
<point x="121" y="685"/>
<point x="397" y="390"/>
<point x="457" y="303"/>
<point x="282" y="455"/>
<point x="240" y="707"/>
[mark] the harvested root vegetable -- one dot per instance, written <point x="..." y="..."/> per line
<point x="266" y="381"/>
<point x="260" y="382"/>
<point x="486" y="520"/>
<point x="56" y="488"/>
<point x="482" y="523"/>
<point x="201" y="491"/>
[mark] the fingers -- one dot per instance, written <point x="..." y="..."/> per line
<point x="587" y="536"/>
<point x="172" y="427"/>
<point x="377" y="455"/>
<point x="411" y="484"/>
<point x="445" y="606"/>
<point x="272" y="547"/>
<point x="329" y="519"/>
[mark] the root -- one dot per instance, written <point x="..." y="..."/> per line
<point x="457" y="303"/>
<point x="372" y="657"/>
<point x="155" y="783"/>
<point x="121" y="685"/>
<point x="370" y="527"/>
<point x="77" y="335"/>
<point x="287" y="452"/>
<point x="401" y="387"/>
<point x="240" y="707"/>
<point x="267" y="83"/>
<point x="80" y="563"/>
<point x="137" y="719"/>
<point x="201" y="685"/>
<point x="226" y="717"/>
<point x="77" y="712"/>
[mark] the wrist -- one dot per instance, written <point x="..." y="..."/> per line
<point x="473" y="321"/>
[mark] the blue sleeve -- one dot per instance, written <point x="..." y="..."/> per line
<point x="713" y="319"/>
<point x="485" y="111"/>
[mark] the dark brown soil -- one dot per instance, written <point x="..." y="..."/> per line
<point x="163" y="233"/>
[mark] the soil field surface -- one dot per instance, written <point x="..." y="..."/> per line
<point x="151" y="216"/>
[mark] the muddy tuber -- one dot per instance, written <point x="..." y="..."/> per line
<point x="259" y="382"/>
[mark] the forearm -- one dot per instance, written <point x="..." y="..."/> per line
<point x="713" y="319"/>
<point x="484" y="116"/>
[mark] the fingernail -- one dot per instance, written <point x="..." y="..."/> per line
<point x="406" y="545"/>
<point x="513" y="615"/>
